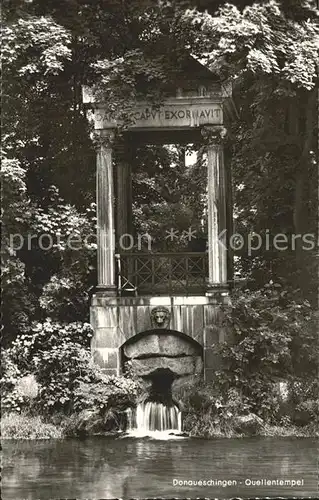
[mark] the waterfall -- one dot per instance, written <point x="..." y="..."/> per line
<point x="157" y="416"/>
<point x="154" y="417"/>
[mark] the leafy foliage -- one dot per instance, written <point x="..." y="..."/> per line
<point x="269" y="328"/>
<point x="105" y="393"/>
<point x="274" y="340"/>
<point x="10" y="399"/>
<point x="130" y="50"/>
<point x="58" y="355"/>
<point x="208" y="411"/>
<point x="24" y="426"/>
<point x="169" y="193"/>
<point x="259" y="39"/>
<point x="18" y="302"/>
<point x="46" y="251"/>
<point x="270" y="55"/>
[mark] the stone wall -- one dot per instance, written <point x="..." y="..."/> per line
<point x="166" y="351"/>
<point x="116" y="320"/>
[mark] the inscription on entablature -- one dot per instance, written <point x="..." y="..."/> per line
<point x="179" y="115"/>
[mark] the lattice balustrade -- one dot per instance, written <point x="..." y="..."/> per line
<point x="162" y="273"/>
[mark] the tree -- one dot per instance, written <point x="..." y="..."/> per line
<point x="18" y="303"/>
<point x="169" y="193"/>
<point x="132" y="49"/>
<point x="272" y="58"/>
<point x="44" y="135"/>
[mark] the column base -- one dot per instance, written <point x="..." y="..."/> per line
<point x="107" y="290"/>
<point x="220" y="290"/>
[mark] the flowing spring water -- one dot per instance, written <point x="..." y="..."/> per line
<point x="151" y="418"/>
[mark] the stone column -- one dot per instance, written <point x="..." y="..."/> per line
<point x="124" y="191"/>
<point x="216" y="187"/>
<point x="105" y="214"/>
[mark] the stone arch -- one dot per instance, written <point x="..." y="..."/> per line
<point x="163" y="355"/>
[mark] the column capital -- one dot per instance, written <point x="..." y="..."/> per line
<point x="213" y="134"/>
<point x="123" y="147"/>
<point x="104" y="138"/>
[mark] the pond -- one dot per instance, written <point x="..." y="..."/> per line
<point x="105" y="467"/>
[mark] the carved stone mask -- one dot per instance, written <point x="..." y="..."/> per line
<point x="160" y="316"/>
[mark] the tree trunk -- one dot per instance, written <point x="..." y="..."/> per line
<point x="303" y="184"/>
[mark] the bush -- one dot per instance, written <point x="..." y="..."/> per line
<point x="269" y="329"/>
<point x="208" y="412"/>
<point x="11" y="400"/>
<point x="65" y="297"/>
<point x="89" y="422"/>
<point x="307" y="412"/>
<point x="28" y="387"/>
<point x="59" y="357"/>
<point x="24" y="426"/>
<point x="106" y="392"/>
<point x="100" y="405"/>
<point x="18" y="392"/>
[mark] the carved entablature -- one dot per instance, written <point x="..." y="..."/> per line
<point x="196" y="99"/>
<point x="178" y="113"/>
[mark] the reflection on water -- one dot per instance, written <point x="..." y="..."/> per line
<point x="125" y="468"/>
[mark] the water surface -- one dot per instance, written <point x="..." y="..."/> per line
<point x="103" y="467"/>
